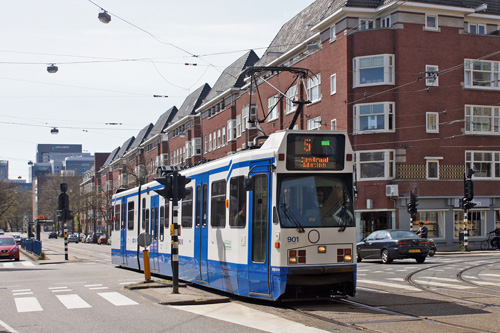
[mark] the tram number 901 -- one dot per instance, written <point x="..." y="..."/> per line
<point x="293" y="239"/>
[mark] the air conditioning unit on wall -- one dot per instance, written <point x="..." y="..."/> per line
<point x="391" y="190"/>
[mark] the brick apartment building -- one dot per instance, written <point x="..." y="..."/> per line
<point x="416" y="84"/>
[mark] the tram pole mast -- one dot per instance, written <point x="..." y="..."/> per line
<point x="174" y="233"/>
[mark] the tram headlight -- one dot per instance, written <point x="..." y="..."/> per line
<point x="321" y="249"/>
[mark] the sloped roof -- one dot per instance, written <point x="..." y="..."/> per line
<point x="192" y="102"/>
<point x="141" y="136"/>
<point x="232" y="76"/>
<point x="124" y="148"/>
<point x="298" y="29"/>
<point x="110" y="157"/>
<point x="162" y="122"/>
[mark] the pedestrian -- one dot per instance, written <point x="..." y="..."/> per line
<point x="496" y="238"/>
<point x="422" y="232"/>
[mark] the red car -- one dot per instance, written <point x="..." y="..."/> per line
<point x="102" y="240"/>
<point x="8" y="248"/>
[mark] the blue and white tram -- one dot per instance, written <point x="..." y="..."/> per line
<point x="271" y="223"/>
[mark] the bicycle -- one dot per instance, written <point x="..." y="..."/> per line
<point x="487" y="244"/>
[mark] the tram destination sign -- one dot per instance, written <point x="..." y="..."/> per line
<point x="315" y="151"/>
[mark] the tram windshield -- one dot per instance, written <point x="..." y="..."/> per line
<point x="314" y="201"/>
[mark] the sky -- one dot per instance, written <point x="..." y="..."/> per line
<point x="102" y="93"/>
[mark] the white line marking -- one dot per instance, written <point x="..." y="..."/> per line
<point x="28" y="264"/>
<point x="242" y="315"/>
<point x="61" y="290"/>
<point x="127" y="282"/>
<point x="73" y="301"/>
<point x="495" y="275"/>
<point x="23" y="293"/>
<point x="117" y="298"/>
<point x="443" y="285"/>
<point x="98" y="288"/>
<point x="8" y="265"/>
<point x="93" y="285"/>
<point x="52" y="288"/>
<point x="27" y="304"/>
<point x="392" y="285"/>
<point x="20" y="290"/>
<point x="7" y="327"/>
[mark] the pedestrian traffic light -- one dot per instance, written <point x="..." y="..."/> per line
<point x="167" y="183"/>
<point x="182" y="181"/>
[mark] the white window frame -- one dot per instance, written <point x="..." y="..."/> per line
<point x="432" y="122"/>
<point x="314" y="88"/>
<point x="388" y="115"/>
<point x="314" y="123"/>
<point x="248" y="116"/>
<point x="238" y="126"/>
<point x="474" y="69"/>
<point x="483" y="162"/>
<point x="476" y="121"/>
<point x="223" y="136"/>
<point x="362" y="63"/>
<point x="432" y="160"/>
<point x="218" y="138"/>
<point x="479" y="29"/>
<point x="188" y="149"/>
<point x="427" y="26"/>
<point x="385" y="22"/>
<point x="333" y="33"/>
<point x="333" y="124"/>
<point x="209" y="141"/>
<point x="273" y="108"/>
<point x="231" y="130"/>
<point x="366" y="24"/>
<point x="196" y="146"/>
<point x="388" y="160"/>
<point x="205" y="147"/>
<point x="291" y="95"/>
<point x="214" y="140"/>
<point x="333" y="84"/>
<point x="431" y="75"/>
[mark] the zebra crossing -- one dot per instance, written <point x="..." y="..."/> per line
<point x="26" y="301"/>
<point x="17" y="264"/>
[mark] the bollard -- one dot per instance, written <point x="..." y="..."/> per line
<point x="147" y="271"/>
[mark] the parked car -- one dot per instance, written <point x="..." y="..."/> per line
<point x="82" y="237"/>
<point x="95" y="236"/>
<point x="73" y="238"/>
<point x="103" y="239"/>
<point x="52" y="234"/>
<point x="88" y="239"/>
<point x="8" y="248"/>
<point x="388" y="245"/>
<point x="17" y="237"/>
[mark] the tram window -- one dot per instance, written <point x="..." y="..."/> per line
<point x="117" y="217"/>
<point x="237" y="202"/>
<point x="199" y="207"/>
<point x="218" y="204"/>
<point x="144" y="214"/>
<point x="167" y="214"/>
<point x="162" y="222"/>
<point x="130" y="215"/>
<point x="187" y="209"/>
<point x="259" y="230"/>
<point x="147" y="221"/>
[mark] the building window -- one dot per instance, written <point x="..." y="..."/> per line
<point x="209" y="141"/>
<point x="476" y="221"/>
<point x="214" y="142"/>
<point x="238" y="126"/>
<point x="431" y="22"/>
<point x="291" y="95"/>
<point x="273" y="108"/>
<point x="497" y="218"/>
<point x="376" y="164"/>
<point x="432" y="122"/>
<point x="385" y="22"/>
<point x="475" y="28"/>
<point x="333" y="34"/>
<point x="482" y="119"/>
<point x="205" y="148"/>
<point x="371" y="118"/>
<point x="231" y="130"/>
<point x="314" y="88"/>
<point x="218" y="138"/>
<point x="434" y="221"/>
<point x="482" y="74"/>
<point x="366" y="24"/>
<point x="249" y="116"/>
<point x="333" y="84"/>
<point x="333" y="124"/>
<point x="373" y="70"/>
<point x="486" y="164"/>
<point x="432" y="167"/>
<point x="431" y="75"/>
<point x="314" y="123"/>
<point x="196" y="146"/>
<point x="224" y="136"/>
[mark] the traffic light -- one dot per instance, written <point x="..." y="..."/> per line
<point x="182" y="181"/>
<point x="469" y="189"/>
<point x="412" y="205"/>
<point x="68" y="215"/>
<point x="167" y="183"/>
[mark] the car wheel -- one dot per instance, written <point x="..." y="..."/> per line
<point x="420" y="260"/>
<point x="386" y="257"/>
<point x="17" y="259"/>
<point x="358" y="257"/>
<point x="431" y="253"/>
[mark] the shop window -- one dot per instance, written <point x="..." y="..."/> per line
<point x="476" y="221"/>
<point x="433" y="220"/>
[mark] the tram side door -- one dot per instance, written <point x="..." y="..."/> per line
<point x="123" y="231"/>
<point x="201" y="231"/>
<point x="259" y="228"/>
<point x="153" y="249"/>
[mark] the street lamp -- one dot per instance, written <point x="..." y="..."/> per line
<point x="104" y="17"/>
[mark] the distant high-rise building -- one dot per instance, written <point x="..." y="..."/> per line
<point x="4" y="169"/>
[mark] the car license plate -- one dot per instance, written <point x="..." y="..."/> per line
<point x="4" y="254"/>
<point x="414" y="250"/>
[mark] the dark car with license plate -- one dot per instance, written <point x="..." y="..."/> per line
<point x="387" y="245"/>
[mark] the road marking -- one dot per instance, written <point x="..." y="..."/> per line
<point x="135" y="282"/>
<point x="23" y="293"/>
<point x="93" y="285"/>
<point x="27" y="304"/>
<point x="7" y="327"/>
<point x="61" y="290"/>
<point x="98" y="288"/>
<point x="73" y="301"/>
<point x="8" y="265"/>
<point x="117" y="298"/>
<point x="485" y="274"/>
<point x="53" y="288"/>
<point x="20" y="290"/>
<point x="28" y="264"/>
<point x="242" y="315"/>
<point x="388" y="284"/>
<point x="443" y="285"/>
